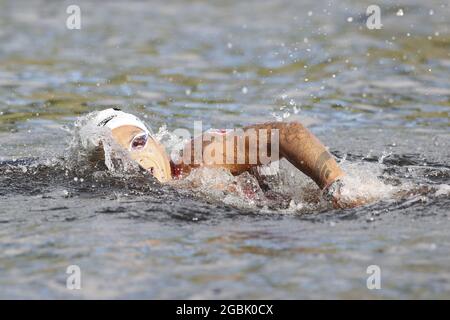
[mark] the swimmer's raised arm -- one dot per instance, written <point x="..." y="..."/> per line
<point x="305" y="151"/>
<point x="295" y="143"/>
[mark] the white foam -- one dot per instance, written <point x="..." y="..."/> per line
<point x="89" y="139"/>
<point x="443" y="190"/>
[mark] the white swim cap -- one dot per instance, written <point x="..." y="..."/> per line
<point x="113" y="118"/>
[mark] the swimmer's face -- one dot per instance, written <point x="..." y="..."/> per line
<point x="145" y="150"/>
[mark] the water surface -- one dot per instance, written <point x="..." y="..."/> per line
<point x="379" y="99"/>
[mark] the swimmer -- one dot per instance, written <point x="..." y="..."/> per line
<point x="289" y="140"/>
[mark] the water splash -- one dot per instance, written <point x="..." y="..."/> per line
<point x="93" y="151"/>
<point x="290" y="191"/>
<point x="94" y="146"/>
<point x="363" y="183"/>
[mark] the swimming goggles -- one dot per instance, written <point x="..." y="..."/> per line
<point x="139" y="142"/>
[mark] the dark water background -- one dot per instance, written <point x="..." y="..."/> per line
<point x="379" y="99"/>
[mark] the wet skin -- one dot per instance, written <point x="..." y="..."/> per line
<point x="295" y="143"/>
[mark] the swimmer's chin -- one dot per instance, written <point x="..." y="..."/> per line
<point x="158" y="174"/>
<point x="158" y="167"/>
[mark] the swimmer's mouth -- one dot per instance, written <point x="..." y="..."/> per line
<point x="157" y="173"/>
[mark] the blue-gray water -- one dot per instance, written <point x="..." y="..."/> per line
<point x="379" y="99"/>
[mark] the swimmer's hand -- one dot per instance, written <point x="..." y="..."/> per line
<point x="333" y="194"/>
